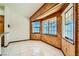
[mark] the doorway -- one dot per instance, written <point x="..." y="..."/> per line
<point x="2" y="29"/>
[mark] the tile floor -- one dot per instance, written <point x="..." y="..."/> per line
<point x="30" y="48"/>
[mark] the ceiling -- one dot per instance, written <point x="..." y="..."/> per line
<point x="25" y="9"/>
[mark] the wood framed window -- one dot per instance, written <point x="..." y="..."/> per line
<point x="69" y="25"/>
<point x="53" y="26"/>
<point x="36" y="27"/>
<point x="45" y="27"/>
<point x="50" y="26"/>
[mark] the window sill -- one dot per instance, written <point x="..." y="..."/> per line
<point x="50" y="35"/>
<point x="68" y="40"/>
<point x="35" y="33"/>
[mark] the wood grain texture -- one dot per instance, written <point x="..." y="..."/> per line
<point x="43" y="9"/>
<point x="57" y="41"/>
<point x="1" y="24"/>
<point x="35" y="36"/>
<point x="77" y="29"/>
<point x="67" y="47"/>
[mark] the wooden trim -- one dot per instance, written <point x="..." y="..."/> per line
<point x="2" y="15"/>
<point x="40" y="29"/>
<point x="20" y="41"/>
<point x="33" y="40"/>
<point x="30" y="28"/>
<point x="36" y="33"/>
<point x="15" y="42"/>
<point x="52" y="10"/>
<point x="48" y="8"/>
<point x="76" y="29"/>
<point x="36" y="20"/>
<point x="38" y="11"/>
<point x="59" y="31"/>
<point x="51" y="35"/>
<point x="36" y="39"/>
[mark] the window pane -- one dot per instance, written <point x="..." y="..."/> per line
<point x="35" y="30"/>
<point x="69" y="25"/>
<point x="36" y="27"/>
<point x="45" y="27"/>
<point x="53" y="26"/>
<point x="36" y="24"/>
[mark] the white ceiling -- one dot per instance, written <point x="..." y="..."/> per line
<point x="25" y="9"/>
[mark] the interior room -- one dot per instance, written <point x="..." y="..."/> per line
<point x="39" y="29"/>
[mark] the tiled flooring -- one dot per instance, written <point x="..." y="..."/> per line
<point x="30" y="48"/>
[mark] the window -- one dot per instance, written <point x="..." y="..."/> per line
<point x="69" y="25"/>
<point x="50" y="26"/>
<point x="36" y="27"/>
<point x="45" y="27"/>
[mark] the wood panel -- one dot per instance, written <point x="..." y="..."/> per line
<point x="35" y="36"/>
<point x="57" y="41"/>
<point x="1" y="24"/>
<point x="2" y="29"/>
<point x="54" y="40"/>
<point x="77" y="29"/>
<point x="41" y="10"/>
<point x="68" y="48"/>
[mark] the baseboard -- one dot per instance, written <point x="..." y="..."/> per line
<point x="34" y="40"/>
<point x="63" y="52"/>
<point x="0" y="54"/>
<point x="15" y="42"/>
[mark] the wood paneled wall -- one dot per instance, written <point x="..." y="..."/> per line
<point x="78" y="29"/>
<point x="58" y="41"/>
<point x="54" y="40"/>
<point x="35" y="36"/>
<point x="67" y="47"/>
<point x="42" y="10"/>
<point x="1" y="24"/>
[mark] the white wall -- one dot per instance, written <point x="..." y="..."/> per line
<point x="19" y="26"/>
<point x="1" y="13"/>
